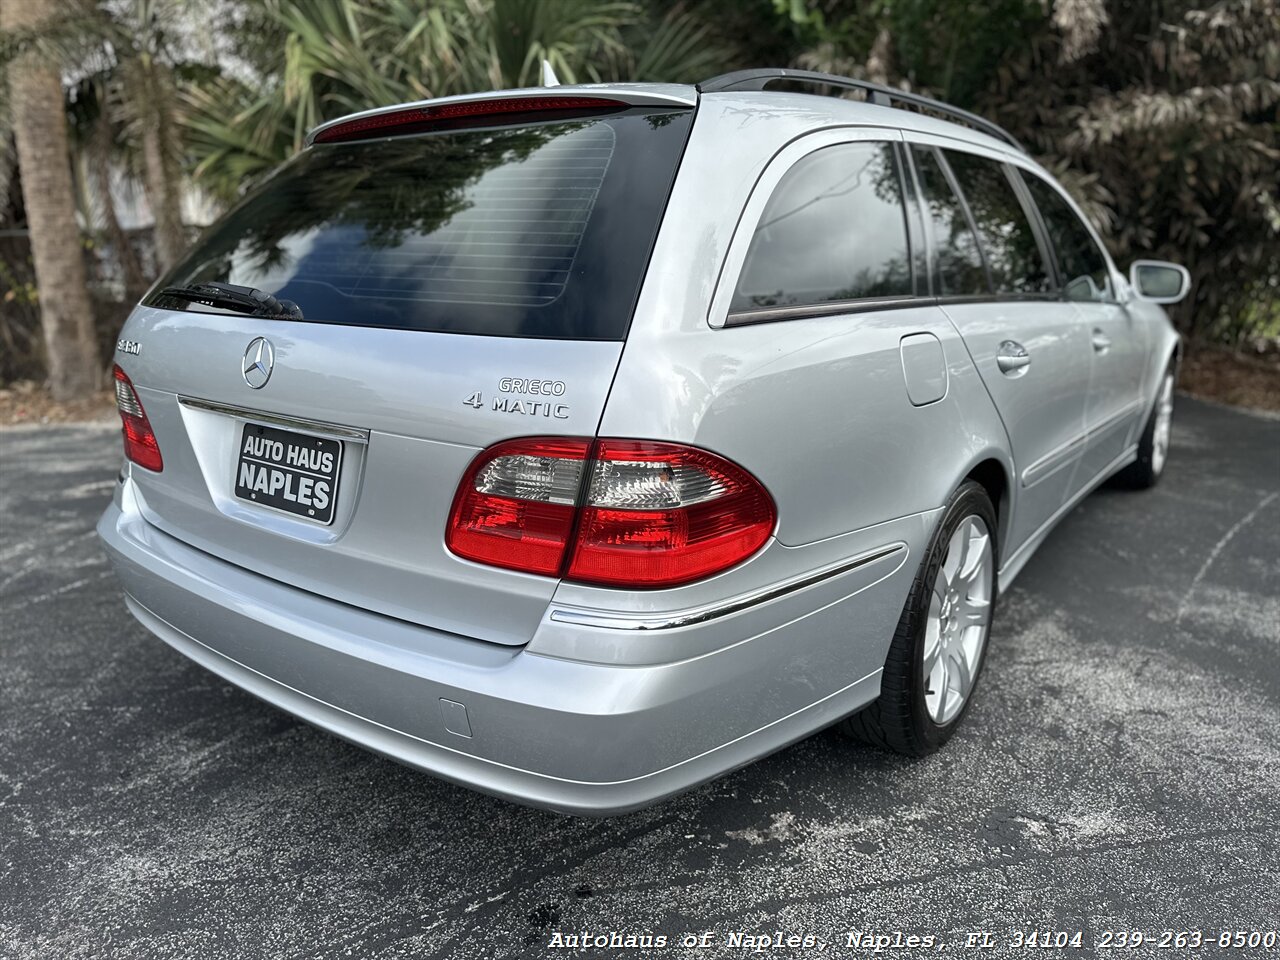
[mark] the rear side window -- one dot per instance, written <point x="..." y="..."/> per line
<point x="541" y="230"/>
<point x="834" y="229"/>
<point x="958" y="269"/>
<point x="1081" y="265"/>
<point x="1013" y="253"/>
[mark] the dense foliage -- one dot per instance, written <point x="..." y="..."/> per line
<point x="1161" y="116"/>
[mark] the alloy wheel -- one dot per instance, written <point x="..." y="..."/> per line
<point x="1163" y="426"/>
<point x="959" y="619"/>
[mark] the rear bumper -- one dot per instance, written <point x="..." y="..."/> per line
<point x="567" y="735"/>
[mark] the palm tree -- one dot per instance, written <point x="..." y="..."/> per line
<point x="332" y="59"/>
<point x="98" y="147"/>
<point x="146" y="99"/>
<point x="39" y="125"/>
<point x="127" y="49"/>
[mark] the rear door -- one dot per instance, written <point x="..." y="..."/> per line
<point x="994" y="281"/>
<point x="1117" y="342"/>
<point x="459" y="286"/>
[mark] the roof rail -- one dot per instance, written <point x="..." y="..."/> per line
<point x="876" y="93"/>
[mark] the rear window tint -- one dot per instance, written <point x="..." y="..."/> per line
<point x="834" y="229"/>
<point x="1013" y="254"/>
<point x="538" y="231"/>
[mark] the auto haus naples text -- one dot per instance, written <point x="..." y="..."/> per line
<point x="257" y="471"/>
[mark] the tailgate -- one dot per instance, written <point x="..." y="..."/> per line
<point x="409" y="410"/>
<point x="459" y="287"/>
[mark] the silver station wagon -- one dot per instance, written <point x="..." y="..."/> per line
<point x="581" y="444"/>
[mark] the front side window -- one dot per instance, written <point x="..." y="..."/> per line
<point x="957" y="266"/>
<point x="1081" y="265"/>
<point x="1013" y="254"/>
<point x="835" y="229"/>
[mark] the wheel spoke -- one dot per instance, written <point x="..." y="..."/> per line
<point x="1163" y="424"/>
<point x="965" y="533"/>
<point x="932" y="647"/>
<point x="943" y="691"/>
<point x="974" y="555"/>
<point x="964" y="674"/>
<point x="975" y="610"/>
<point x="950" y="566"/>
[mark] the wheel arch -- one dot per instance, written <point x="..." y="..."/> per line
<point x="994" y="475"/>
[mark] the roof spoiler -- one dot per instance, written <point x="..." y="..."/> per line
<point x="579" y="98"/>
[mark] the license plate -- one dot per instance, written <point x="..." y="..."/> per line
<point x="289" y="471"/>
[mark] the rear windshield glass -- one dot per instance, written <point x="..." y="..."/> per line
<point x="533" y="231"/>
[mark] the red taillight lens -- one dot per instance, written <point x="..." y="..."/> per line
<point x="660" y="514"/>
<point x="140" y="444"/>
<point x="653" y="514"/>
<point x="468" y="112"/>
<point x="517" y="503"/>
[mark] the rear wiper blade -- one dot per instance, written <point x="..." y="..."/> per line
<point x="230" y="296"/>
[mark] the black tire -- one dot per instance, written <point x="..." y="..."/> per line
<point x="1145" y="472"/>
<point x="898" y="720"/>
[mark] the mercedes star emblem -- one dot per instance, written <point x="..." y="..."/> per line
<point x="259" y="359"/>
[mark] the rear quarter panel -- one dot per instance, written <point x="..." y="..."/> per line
<point x="816" y="408"/>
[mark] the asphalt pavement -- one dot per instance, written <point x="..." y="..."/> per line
<point x="1119" y="770"/>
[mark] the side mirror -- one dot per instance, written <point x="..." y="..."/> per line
<point x="1158" y="281"/>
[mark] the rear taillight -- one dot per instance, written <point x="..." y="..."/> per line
<point x="621" y="513"/>
<point x="516" y="505"/>
<point x="140" y="444"/>
<point x="658" y="514"/>
<point x="465" y="113"/>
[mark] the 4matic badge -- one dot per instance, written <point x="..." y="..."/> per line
<point x="521" y="404"/>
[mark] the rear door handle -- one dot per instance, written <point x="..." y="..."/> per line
<point x="1012" y="358"/>
<point x="1101" y="342"/>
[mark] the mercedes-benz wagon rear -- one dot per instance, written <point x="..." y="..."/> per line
<point x="582" y="444"/>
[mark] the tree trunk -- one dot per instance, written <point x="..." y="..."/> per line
<point x="135" y="284"/>
<point x="162" y="179"/>
<point x="39" y="124"/>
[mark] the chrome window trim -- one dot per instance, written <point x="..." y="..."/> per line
<point x="685" y="618"/>
<point x="833" y="308"/>
<point x="830" y="308"/>
<point x="319" y="428"/>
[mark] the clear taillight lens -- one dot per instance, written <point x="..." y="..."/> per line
<point x="140" y="443"/>
<point x="653" y="514"/>
<point x="515" y="507"/>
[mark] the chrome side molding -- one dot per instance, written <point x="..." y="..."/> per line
<point x="686" y="618"/>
